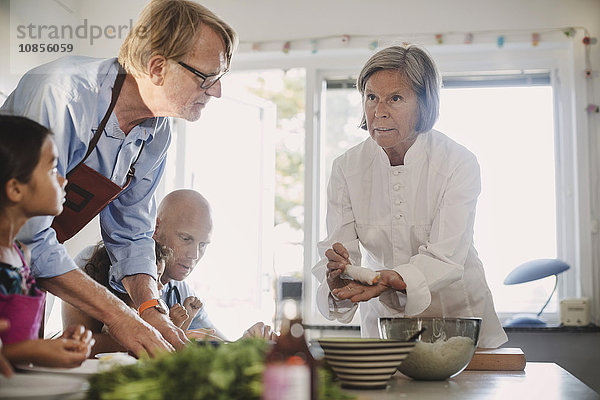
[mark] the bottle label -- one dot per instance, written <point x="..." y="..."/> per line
<point x="286" y="382"/>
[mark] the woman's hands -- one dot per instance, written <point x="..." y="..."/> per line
<point x="338" y="257"/>
<point x="355" y="291"/>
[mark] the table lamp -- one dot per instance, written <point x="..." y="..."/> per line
<point x="532" y="271"/>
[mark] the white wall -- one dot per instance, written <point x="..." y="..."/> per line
<point x="272" y="22"/>
<point x="261" y="20"/>
<point x="280" y="20"/>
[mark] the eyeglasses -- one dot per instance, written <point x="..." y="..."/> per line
<point x="209" y="80"/>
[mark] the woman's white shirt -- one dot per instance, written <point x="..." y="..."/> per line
<point x="417" y="219"/>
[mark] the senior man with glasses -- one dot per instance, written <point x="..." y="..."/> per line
<point x="111" y="128"/>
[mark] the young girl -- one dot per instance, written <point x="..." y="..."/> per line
<point x="29" y="186"/>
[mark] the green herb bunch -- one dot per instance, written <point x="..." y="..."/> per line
<point x="204" y="371"/>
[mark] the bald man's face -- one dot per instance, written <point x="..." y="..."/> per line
<point x="187" y="233"/>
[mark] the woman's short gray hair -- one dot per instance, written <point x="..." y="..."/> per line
<point x="422" y="74"/>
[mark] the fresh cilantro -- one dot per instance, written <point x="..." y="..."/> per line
<point x="198" y="372"/>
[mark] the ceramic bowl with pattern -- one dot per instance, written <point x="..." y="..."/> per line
<point x="364" y="363"/>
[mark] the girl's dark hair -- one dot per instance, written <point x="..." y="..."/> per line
<point x="98" y="266"/>
<point x="21" y="141"/>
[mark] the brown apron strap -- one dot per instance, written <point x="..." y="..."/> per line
<point x="88" y="191"/>
<point x="131" y="171"/>
<point x="121" y="74"/>
<point x="113" y="101"/>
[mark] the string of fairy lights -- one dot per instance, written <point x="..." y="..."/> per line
<point x="500" y="38"/>
<point x="373" y="42"/>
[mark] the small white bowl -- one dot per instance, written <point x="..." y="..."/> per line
<point x="109" y="360"/>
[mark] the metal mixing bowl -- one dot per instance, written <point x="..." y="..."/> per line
<point x="443" y="350"/>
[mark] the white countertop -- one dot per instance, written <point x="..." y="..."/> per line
<point x="539" y="381"/>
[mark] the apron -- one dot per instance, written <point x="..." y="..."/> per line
<point x="24" y="312"/>
<point x="88" y="191"/>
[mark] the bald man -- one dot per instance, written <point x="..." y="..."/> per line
<point x="183" y="224"/>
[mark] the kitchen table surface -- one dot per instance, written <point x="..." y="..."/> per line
<point x="546" y="381"/>
<point x="543" y="381"/>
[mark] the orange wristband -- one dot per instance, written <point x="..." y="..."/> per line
<point x="146" y="305"/>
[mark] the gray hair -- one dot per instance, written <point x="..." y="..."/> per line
<point x="421" y="72"/>
<point x="168" y="28"/>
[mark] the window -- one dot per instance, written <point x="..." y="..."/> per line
<point x="511" y="131"/>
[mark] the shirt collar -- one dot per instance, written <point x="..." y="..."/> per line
<point x="144" y="130"/>
<point x="413" y="154"/>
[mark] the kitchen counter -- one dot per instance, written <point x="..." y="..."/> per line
<point x="546" y="381"/>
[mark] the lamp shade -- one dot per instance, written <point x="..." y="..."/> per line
<point x="535" y="269"/>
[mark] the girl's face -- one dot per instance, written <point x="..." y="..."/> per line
<point x="45" y="192"/>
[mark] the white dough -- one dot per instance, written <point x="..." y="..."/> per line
<point x="438" y="360"/>
<point x="362" y="274"/>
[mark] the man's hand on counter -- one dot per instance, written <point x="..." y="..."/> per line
<point x="141" y="288"/>
<point x="138" y="336"/>
<point x="171" y="333"/>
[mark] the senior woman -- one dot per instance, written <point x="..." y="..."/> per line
<point x="406" y="197"/>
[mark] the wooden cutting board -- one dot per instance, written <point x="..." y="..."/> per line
<point x="502" y="359"/>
